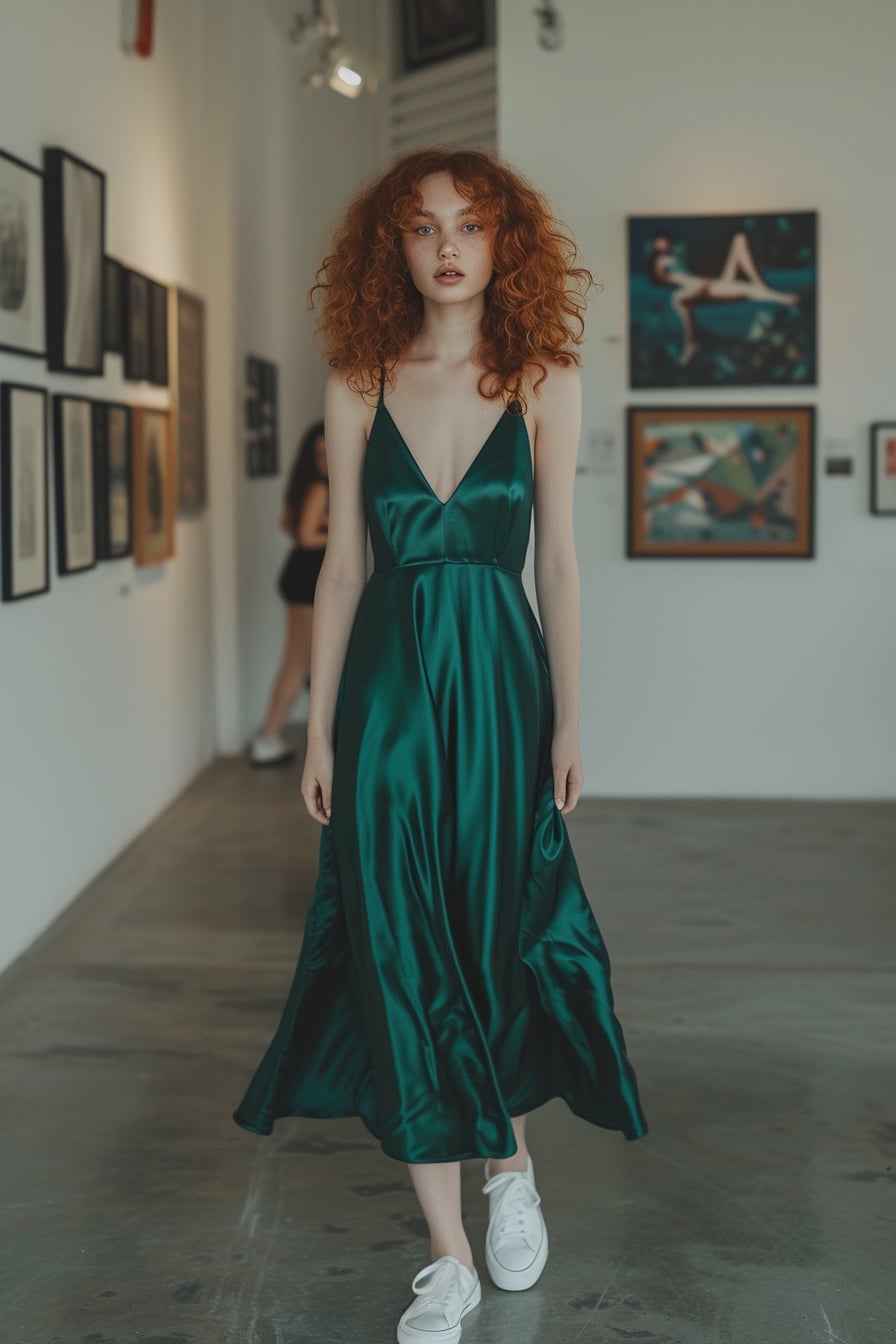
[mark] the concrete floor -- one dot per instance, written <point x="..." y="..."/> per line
<point x="754" y="974"/>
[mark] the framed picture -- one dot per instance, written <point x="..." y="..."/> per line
<point x="158" y="333"/>
<point x="723" y="300"/>
<point x="112" y="492"/>
<point x="883" y="467"/>
<point x="74" y="243"/>
<point x="187" y="346"/>
<point x="73" y="457"/>
<point x="113" y="306"/>
<point x="22" y="305"/>
<point x="137" y="358"/>
<point x="155" y="487"/>
<point x="435" y="30"/>
<point x="23" y="491"/>
<point x="721" y="482"/>
<point x="262" y="441"/>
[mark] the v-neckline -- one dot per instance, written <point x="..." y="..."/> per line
<point x="420" y="472"/>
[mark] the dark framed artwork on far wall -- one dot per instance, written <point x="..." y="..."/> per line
<point x="113" y="306"/>
<point x="721" y="482"/>
<point x="112" y="483"/>
<point x="883" y="467"/>
<point x="22" y="304"/>
<point x="262" y="441"/>
<point x="24" y="493"/>
<point x="723" y="300"/>
<point x="74" y="248"/>
<point x="73" y="460"/>
<point x="436" y="30"/>
<point x="158" y="333"/>
<point x="137" y="329"/>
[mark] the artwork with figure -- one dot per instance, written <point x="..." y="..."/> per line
<point x="154" y="487"/>
<point x="720" y="481"/>
<point x="74" y="201"/>
<point x="23" y="492"/>
<point x="73" y="443"/>
<point x="112" y="479"/>
<point x="723" y="300"/>
<point x="21" y="258"/>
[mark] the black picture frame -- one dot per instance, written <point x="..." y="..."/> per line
<point x="261" y="410"/>
<point x="24" y="492"/>
<point x="113" y="306"/>
<point x="720" y="482"/>
<point x="23" y="313"/>
<point x="158" y="333"/>
<point x="74" y="250"/>
<point x="883" y="468"/>
<point x="113" y="480"/>
<point x="137" y="328"/>
<point x="723" y="301"/>
<point x="434" y="31"/>
<point x="74" y="496"/>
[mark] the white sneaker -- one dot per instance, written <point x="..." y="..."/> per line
<point x="270" y="751"/>
<point x="446" y="1290"/>
<point x="516" y="1244"/>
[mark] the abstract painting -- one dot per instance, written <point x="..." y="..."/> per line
<point x="721" y="481"/>
<point x="723" y="300"/>
<point x="22" y="312"/>
<point x="262" y="446"/>
<point x="158" y="333"/>
<point x="137" y="332"/>
<point x="883" y="467"/>
<point x="23" y="491"/>
<point x="435" y="30"/>
<point x="155" y="487"/>
<point x="74" y="239"/>
<point x="73" y="445"/>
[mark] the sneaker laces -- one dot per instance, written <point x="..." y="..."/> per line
<point x="517" y="1198"/>
<point x="436" y="1291"/>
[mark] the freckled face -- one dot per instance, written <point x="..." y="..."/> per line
<point x="447" y="247"/>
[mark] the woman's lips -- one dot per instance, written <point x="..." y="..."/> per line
<point x="450" y="278"/>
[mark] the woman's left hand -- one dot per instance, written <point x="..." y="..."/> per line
<point x="566" y="759"/>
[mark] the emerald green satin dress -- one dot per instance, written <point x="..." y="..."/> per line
<point x="451" y="972"/>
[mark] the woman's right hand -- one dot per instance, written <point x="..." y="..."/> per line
<point x="317" y="780"/>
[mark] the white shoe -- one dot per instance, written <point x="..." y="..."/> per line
<point x="270" y="751"/>
<point x="446" y="1290"/>
<point x="516" y="1244"/>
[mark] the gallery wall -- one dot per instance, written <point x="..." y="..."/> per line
<point x="705" y="677"/>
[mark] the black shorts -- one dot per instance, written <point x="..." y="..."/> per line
<point x="298" y="577"/>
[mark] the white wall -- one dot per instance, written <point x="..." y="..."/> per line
<point x="734" y="678"/>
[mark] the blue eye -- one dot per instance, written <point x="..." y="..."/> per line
<point x="421" y="227"/>
<point x="477" y="227"/>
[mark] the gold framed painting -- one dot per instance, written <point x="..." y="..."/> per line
<point x="155" y="486"/>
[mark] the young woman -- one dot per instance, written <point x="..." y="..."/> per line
<point x="304" y="520"/>
<point x="452" y="977"/>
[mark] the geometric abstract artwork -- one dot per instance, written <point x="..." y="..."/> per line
<point x="721" y="482"/>
<point x="723" y="300"/>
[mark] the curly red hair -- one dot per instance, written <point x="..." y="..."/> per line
<point x="372" y="311"/>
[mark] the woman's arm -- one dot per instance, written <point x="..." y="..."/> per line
<point x="340" y="582"/>
<point x="558" y="422"/>
<point x="313" y="528"/>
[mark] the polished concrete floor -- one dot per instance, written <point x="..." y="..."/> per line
<point x="753" y="963"/>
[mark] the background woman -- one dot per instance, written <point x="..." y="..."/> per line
<point x="303" y="519"/>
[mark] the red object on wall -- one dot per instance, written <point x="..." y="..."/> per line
<point x="143" y="38"/>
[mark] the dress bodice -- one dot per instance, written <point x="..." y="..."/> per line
<point x="485" y="521"/>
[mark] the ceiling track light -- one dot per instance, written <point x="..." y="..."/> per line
<point x="346" y="68"/>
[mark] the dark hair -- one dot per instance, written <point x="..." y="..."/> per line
<point x="304" y="471"/>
